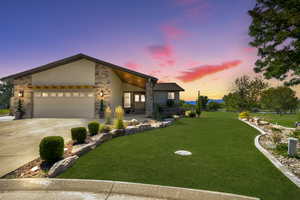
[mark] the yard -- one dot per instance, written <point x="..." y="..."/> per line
<point x="287" y="120"/>
<point x="224" y="159"/>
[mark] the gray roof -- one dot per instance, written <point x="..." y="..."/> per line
<point x="72" y="59"/>
<point x="167" y="87"/>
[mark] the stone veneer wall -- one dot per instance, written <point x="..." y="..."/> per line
<point x="21" y="84"/>
<point x="149" y="98"/>
<point x="103" y="82"/>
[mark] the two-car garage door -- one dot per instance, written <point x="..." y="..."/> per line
<point x="64" y="104"/>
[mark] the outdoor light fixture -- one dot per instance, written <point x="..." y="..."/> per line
<point x="21" y="93"/>
<point x="101" y="93"/>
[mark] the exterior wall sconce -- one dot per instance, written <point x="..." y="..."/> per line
<point x="21" y="93"/>
<point x="101" y="93"/>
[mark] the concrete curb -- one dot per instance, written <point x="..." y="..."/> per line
<point x="273" y="160"/>
<point x="111" y="188"/>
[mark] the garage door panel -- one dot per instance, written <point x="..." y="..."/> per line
<point x="64" y="107"/>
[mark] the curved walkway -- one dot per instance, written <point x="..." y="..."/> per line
<point x="75" y="189"/>
<point x="273" y="160"/>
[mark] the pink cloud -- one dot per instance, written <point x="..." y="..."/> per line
<point x="249" y="49"/>
<point x="164" y="54"/>
<point x="132" y="65"/>
<point x="173" y="32"/>
<point x="193" y="64"/>
<point x="205" y="70"/>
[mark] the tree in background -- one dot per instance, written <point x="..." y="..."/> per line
<point x="275" y="31"/>
<point x="213" y="106"/>
<point x="245" y="93"/>
<point x="6" y="90"/>
<point x="281" y="99"/>
<point x="204" y="101"/>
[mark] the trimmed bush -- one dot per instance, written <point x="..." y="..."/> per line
<point x="79" y="134"/>
<point x="52" y="148"/>
<point x="93" y="128"/>
<point x="104" y="128"/>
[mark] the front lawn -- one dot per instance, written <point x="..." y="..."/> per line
<point x="287" y="120"/>
<point x="224" y="159"/>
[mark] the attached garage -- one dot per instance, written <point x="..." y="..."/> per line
<point x="64" y="104"/>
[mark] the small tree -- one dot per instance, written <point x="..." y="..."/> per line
<point x="213" y="106"/>
<point x="204" y="102"/>
<point x="199" y="106"/>
<point x="6" y="90"/>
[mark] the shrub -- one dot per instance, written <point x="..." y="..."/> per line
<point x="276" y="138"/>
<point x="79" y="134"/>
<point x="244" y="115"/>
<point x="104" y="128"/>
<point x="119" y="113"/>
<point x="282" y="149"/>
<point x="107" y="115"/>
<point x="51" y="148"/>
<point x="276" y="130"/>
<point x="170" y="102"/>
<point x="93" y="128"/>
<point x="119" y="124"/>
<point x="190" y="113"/>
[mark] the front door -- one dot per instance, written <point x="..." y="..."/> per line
<point x="139" y="100"/>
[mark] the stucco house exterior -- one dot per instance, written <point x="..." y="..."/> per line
<point x="74" y="87"/>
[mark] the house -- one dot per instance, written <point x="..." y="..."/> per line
<point x="77" y="86"/>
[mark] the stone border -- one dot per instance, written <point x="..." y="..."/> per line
<point x="62" y="165"/>
<point x="115" y="188"/>
<point x="273" y="160"/>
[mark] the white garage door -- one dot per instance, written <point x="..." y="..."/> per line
<point x="64" y="104"/>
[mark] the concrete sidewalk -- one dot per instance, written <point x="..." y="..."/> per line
<point x="75" y="189"/>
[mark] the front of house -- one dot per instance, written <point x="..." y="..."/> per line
<point x="75" y="87"/>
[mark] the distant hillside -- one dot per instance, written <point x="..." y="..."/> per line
<point x="210" y="100"/>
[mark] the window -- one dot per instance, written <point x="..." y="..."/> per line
<point x="52" y="94"/>
<point x="127" y="100"/>
<point x="44" y="94"/>
<point x="143" y="98"/>
<point x="81" y="94"/>
<point x="171" y="95"/>
<point x="75" y="94"/>
<point x="67" y="94"/>
<point x="37" y="94"/>
<point x="136" y="97"/>
<point x="60" y="94"/>
<point x="90" y="94"/>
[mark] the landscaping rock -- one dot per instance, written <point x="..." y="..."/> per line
<point x="84" y="149"/>
<point x="105" y="137"/>
<point x="131" y="130"/>
<point x="117" y="132"/>
<point x="97" y="139"/>
<point x="183" y="153"/>
<point x="61" y="166"/>
<point x="263" y="123"/>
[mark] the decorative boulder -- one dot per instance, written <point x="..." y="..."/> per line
<point x="105" y="137"/>
<point x="297" y="125"/>
<point x="263" y="123"/>
<point x="61" y="166"/>
<point x="84" y="149"/>
<point x="131" y="130"/>
<point x="117" y="132"/>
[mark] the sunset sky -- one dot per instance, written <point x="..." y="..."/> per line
<point x="200" y="44"/>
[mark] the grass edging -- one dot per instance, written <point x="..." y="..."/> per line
<point x="273" y="160"/>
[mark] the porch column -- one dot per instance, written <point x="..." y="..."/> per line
<point x="149" y="98"/>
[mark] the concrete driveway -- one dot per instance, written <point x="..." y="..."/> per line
<point x="19" y="139"/>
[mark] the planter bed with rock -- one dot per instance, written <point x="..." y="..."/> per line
<point x="72" y="151"/>
<point x="277" y="145"/>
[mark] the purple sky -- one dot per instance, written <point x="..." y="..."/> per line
<point x="200" y="44"/>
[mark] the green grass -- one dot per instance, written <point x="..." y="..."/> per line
<point x="224" y="159"/>
<point x="4" y="111"/>
<point x="287" y="120"/>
